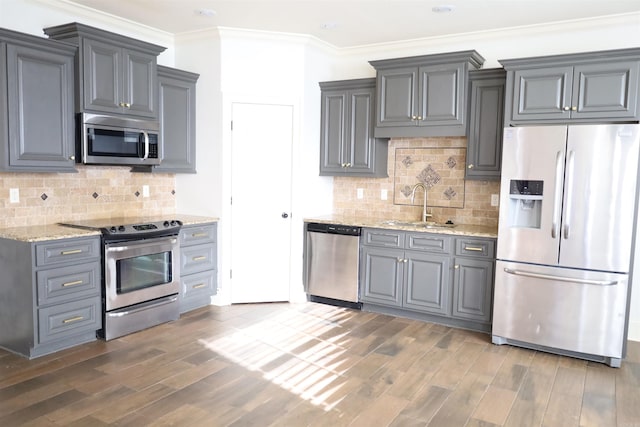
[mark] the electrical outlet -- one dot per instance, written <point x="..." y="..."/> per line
<point x="495" y="200"/>
<point x="145" y="191"/>
<point x="360" y="193"/>
<point x="383" y="194"/>
<point x="14" y="195"/>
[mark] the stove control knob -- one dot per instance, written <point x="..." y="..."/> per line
<point x="112" y="229"/>
<point x="173" y="222"/>
<point x="166" y="223"/>
<point x="121" y="228"/>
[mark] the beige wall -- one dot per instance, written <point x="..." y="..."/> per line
<point x="69" y="196"/>
<point x="477" y="208"/>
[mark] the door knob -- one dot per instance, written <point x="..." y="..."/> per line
<point x="285" y="215"/>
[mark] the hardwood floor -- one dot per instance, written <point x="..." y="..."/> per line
<point x="313" y="365"/>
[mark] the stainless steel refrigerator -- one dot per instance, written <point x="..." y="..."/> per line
<point x="565" y="239"/>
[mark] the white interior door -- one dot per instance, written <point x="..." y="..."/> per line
<point x="262" y="137"/>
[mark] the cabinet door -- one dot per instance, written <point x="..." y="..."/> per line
<point x="427" y="283"/>
<point x="607" y="90"/>
<point x="397" y="97"/>
<point x="40" y="110"/>
<point x="484" y="143"/>
<point x="542" y="94"/>
<point x="102" y="77"/>
<point x="333" y="132"/>
<point x="441" y="95"/>
<point x="360" y="139"/>
<point x="472" y="285"/>
<point x="140" y="92"/>
<point x="177" y="110"/>
<point x="381" y="274"/>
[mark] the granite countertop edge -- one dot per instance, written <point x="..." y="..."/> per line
<point x="42" y="233"/>
<point x="381" y="223"/>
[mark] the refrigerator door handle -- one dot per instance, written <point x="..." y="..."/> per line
<point x="555" y="226"/>
<point x="570" y="167"/>
<point x="560" y="278"/>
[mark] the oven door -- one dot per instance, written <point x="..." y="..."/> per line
<point x="140" y="270"/>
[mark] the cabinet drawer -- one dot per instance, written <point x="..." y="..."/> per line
<point x="62" y="284"/>
<point x="197" y="235"/>
<point x="63" y="320"/>
<point x="66" y="251"/>
<point x="197" y="258"/>
<point x="199" y="284"/>
<point x="427" y="242"/>
<point x="478" y="248"/>
<point x="384" y="238"/>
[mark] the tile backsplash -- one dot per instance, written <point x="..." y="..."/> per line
<point x="474" y="207"/>
<point x="94" y="192"/>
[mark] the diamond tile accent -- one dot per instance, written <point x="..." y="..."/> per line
<point x="95" y="195"/>
<point x="173" y="192"/>
<point x="407" y="161"/>
<point x="137" y="193"/>
<point x="451" y="162"/>
<point x="429" y="176"/>
<point x="44" y="196"/>
<point x="450" y="193"/>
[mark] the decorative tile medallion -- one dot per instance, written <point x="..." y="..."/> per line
<point x="440" y="169"/>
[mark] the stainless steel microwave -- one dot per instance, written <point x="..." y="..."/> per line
<point x="113" y="140"/>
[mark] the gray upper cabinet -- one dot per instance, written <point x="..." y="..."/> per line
<point x="486" y="118"/>
<point x="347" y="144"/>
<point x="177" y="120"/>
<point x="586" y="87"/>
<point x="116" y="74"/>
<point x="423" y="95"/>
<point x="36" y="94"/>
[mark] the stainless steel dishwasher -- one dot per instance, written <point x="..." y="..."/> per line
<point x="331" y="264"/>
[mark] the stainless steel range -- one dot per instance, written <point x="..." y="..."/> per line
<point x="140" y="272"/>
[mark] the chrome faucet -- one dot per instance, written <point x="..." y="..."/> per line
<point x="425" y="215"/>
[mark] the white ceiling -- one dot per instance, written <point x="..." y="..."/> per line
<point x="356" y="22"/>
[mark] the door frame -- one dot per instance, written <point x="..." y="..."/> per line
<point x="296" y="291"/>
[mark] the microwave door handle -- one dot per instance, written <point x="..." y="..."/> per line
<point x="146" y="145"/>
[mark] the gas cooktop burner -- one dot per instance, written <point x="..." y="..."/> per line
<point x="130" y="228"/>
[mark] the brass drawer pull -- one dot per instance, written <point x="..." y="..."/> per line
<point x="71" y="252"/>
<point x="77" y="282"/>
<point x="198" y="286"/>
<point x="199" y="234"/>
<point x="473" y="248"/>
<point x="199" y="258"/>
<point x="73" y="319"/>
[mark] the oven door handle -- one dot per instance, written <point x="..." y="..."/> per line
<point x="119" y="247"/>
<point x="144" y="306"/>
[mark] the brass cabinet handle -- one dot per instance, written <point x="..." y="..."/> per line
<point x="566" y="108"/>
<point x="71" y="252"/>
<point x="470" y="166"/>
<point x="574" y="108"/>
<point x="199" y="285"/>
<point x="199" y="258"/>
<point x="73" y="319"/>
<point x="72" y="157"/>
<point x="77" y="282"/>
<point x="473" y="248"/>
<point x="199" y="235"/>
<point x="419" y="118"/>
<point x="456" y="266"/>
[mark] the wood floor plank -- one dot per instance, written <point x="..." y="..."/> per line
<point x="310" y="364"/>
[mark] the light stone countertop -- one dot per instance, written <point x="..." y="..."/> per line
<point x="41" y="233"/>
<point x="458" y="230"/>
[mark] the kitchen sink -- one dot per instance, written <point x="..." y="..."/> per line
<point x="418" y="224"/>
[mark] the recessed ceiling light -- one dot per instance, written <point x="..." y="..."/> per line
<point x="205" y="12"/>
<point x="445" y="8"/>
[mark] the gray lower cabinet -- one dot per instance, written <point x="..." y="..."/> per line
<point x="177" y="115"/>
<point x="198" y="265"/>
<point x="423" y="95"/>
<point x="486" y="119"/>
<point x="50" y="294"/>
<point x="473" y="279"/>
<point x="434" y="277"/>
<point x="586" y="87"/>
<point x="36" y="95"/>
<point x="347" y="145"/>
<point x="116" y="74"/>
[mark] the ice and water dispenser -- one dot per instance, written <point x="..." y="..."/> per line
<point x="525" y="203"/>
